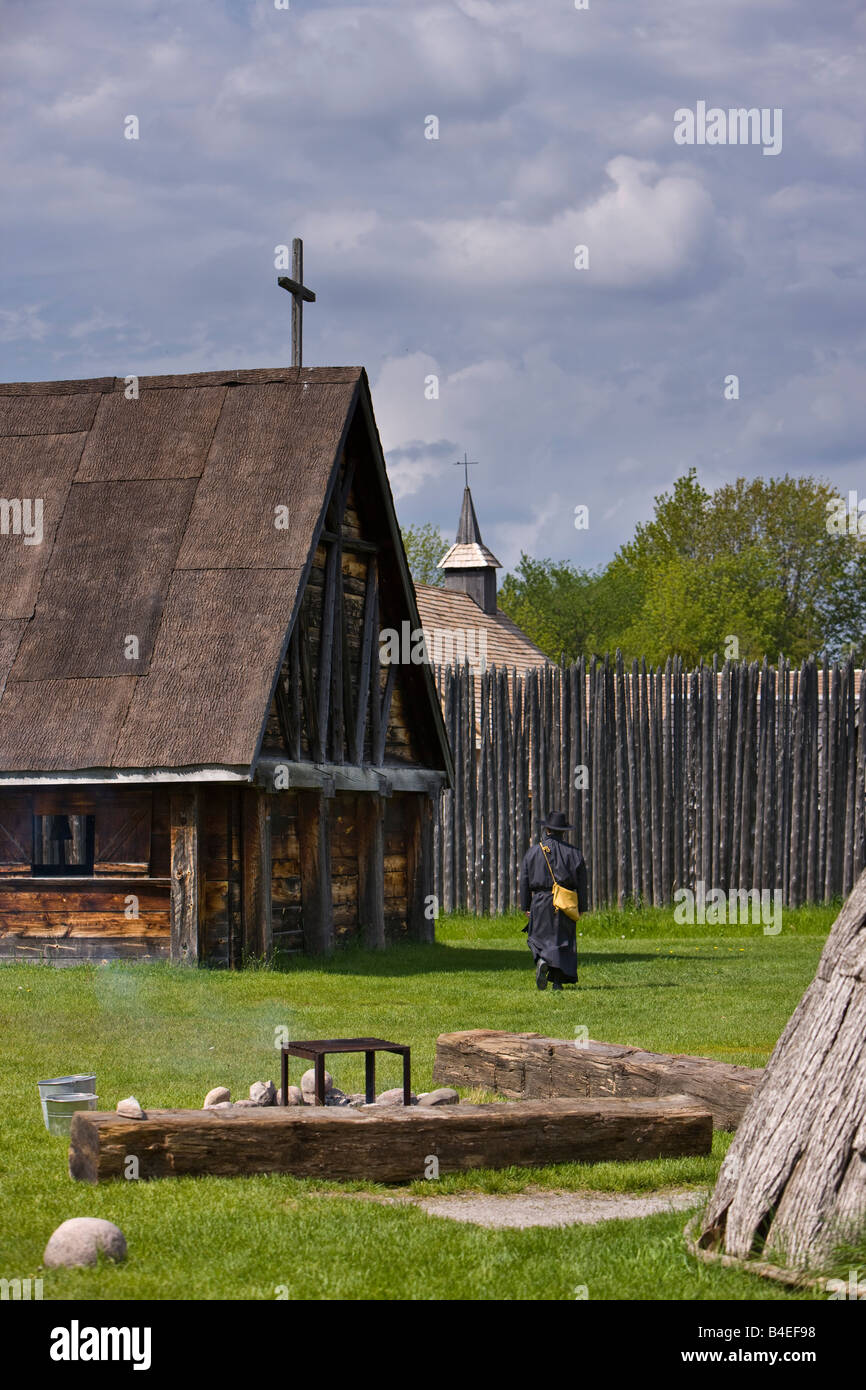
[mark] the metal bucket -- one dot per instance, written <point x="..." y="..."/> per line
<point x="57" y="1086"/>
<point x="58" y="1110"/>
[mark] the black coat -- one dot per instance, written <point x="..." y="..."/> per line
<point x="552" y="935"/>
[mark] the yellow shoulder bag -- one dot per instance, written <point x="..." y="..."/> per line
<point x="564" y="899"/>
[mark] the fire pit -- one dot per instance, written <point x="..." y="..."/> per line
<point x="316" y="1051"/>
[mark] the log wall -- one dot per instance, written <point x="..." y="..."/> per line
<point x="740" y="776"/>
<point x="72" y="917"/>
<point x="374" y="846"/>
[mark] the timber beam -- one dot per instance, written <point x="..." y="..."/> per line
<point x="279" y="774"/>
<point x="256" y="907"/>
<point x="529" y="1065"/>
<point x="371" y="870"/>
<point x="186" y="880"/>
<point x="314" y="840"/>
<point x="383" y="1143"/>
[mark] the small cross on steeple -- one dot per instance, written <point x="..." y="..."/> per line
<point x="466" y="463"/>
<point x="299" y="292"/>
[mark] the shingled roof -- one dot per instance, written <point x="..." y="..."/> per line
<point x="159" y="525"/>
<point x="447" y="611"/>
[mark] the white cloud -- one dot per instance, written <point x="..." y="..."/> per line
<point x="23" y="323"/>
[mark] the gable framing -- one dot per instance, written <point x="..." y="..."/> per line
<point x="343" y="721"/>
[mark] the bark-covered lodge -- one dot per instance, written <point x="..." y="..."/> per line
<point x="201" y="754"/>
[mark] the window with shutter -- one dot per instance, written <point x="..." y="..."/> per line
<point x="63" y="845"/>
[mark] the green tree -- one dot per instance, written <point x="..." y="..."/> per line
<point x="554" y="604"/>
<point x="755" y="561"/>
<point x="424" y="546"/>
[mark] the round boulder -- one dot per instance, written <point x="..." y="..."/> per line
<point x="308" y="1084"/>
<point x="130" y="1108"/>
<point x="80" y="1241"/>
<point x="394" y="1097"/>
<point x="263" y="1093"/>
<point x="443" y="1096"/>
<point x="218" y="1096"/>
<point x="295" y="1096"/>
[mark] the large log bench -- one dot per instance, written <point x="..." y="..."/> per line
<point x="530" y="1066"/>
<point x="386" y="1144"/>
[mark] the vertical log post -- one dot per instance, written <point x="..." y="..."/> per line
<point x="419" y="866"/>
<point x="314" y="840"/>
<point x="371" y="869"/>
<point x="257" y="913"/>
<point x="186" y="883"/>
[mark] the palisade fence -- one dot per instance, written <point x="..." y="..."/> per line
<point x="741" y="777"/>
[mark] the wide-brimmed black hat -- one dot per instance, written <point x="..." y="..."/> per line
<point x="555" y="820"/>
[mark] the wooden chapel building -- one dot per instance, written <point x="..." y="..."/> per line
<point x="202" y="757"/>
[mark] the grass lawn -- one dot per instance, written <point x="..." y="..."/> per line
<point x="167" y="1035"/>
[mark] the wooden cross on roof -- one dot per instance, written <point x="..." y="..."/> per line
<point x="466" y="463"/>
<point x="299" y="292"/>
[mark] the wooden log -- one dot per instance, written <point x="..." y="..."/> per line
<point x="186" y="888"/>
<point x="469" y="776"/>
<point x="371" y="869"/>
<point x="769" y="805"/>
<point x="369" y="659"/>
<point x="315" y="854"/>
<point x="308" y="684"/>
<point x="577" y="796"/>
<point x="760" y="813"/>
<point x="667" y="785"/>
<point x="536" y="810"/>
<point x="708" y="724"/>
<point x="388" y="1144"/>
<point x="547" y="789"/>
<point x="831" y="747"/>
<point x="448" y="803"/>
<point x="457" y="736"/>
<point x="635" y="804"/>
<point x="824" y="844"/>
<point x="503" y="794"/>
<point x="610" y="777"/>
<point x="849" y="834"/>
<point x="333" y="576"/>
<point x="384" y="714"/>
<point x="814" y="782"/>
<point x="645" y="823"/>
<point x="798" y="868"/>
<point x="294" y="690"/>
<point x="257" y="911"/>
<point x="620" y="733"/>
<point x="792" y="1181"/>
<point x="723" y="841"/>
<point x="234" y="879"/>
<point x="420" y="921"/>
<point x="655" y="787"/>
<point x="520" y="774"/>
<point x="596" y="782"/>
<point x="491" y="847"/>
<point x="678" y="761"/>
<point x="564" y="780"/>
<point x="554" y="746"/>
<point x="860" y="821"/>
<point x="782" y="779"/>
<point x="530" y="1066"/>
<point x="747" y="806"/>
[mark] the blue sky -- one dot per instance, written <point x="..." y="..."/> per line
<point x="455" y="257"/>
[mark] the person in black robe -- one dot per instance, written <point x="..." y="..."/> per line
<point x="552" y="936"/>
